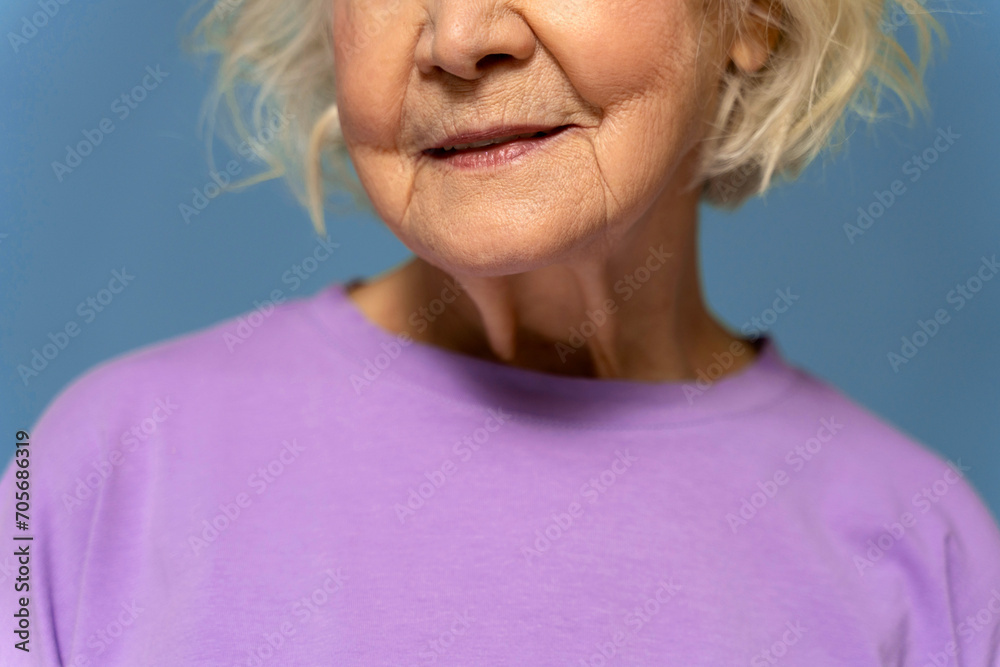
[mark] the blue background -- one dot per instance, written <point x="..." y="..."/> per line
<point x="60" y="241"/>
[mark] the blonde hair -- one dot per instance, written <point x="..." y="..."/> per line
<point x="831" y="56"/>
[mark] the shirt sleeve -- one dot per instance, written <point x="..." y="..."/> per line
<point x="46" y="528"/>
<point x="932" y="569"/>
<point x="972" y="572"/>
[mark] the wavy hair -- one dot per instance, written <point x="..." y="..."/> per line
<point x="830" y="57"/>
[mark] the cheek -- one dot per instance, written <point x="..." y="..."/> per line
<point x="373" y="63"/>
<point x="610" y="66"/>
<point x="645" y="82"/>
<point x="649" y="81"/>
<point x="371" y="68"/>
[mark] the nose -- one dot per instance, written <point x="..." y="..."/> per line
<point x="466" y="37"/>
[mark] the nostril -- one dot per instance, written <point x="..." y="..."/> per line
<point x="492" y="59"/>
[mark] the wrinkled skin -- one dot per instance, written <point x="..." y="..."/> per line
<point x="543" y="240"/>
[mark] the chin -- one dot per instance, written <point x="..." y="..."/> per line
<point x="478" y="237"/>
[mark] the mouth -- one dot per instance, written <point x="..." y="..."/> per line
<point x="484" y="140"/>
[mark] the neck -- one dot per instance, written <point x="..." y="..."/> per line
<point x="629" y="307"/>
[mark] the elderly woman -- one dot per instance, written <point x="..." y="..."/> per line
<point x="532" y="444"/>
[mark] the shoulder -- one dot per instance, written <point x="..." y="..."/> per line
<point x="909" y="524"/>
<point x="141" y="396"/>
<point x="133" y="435"/>
<point x="268" y="336"/>
<point x="859" y="469"/>
<point x="887" y="466"/>
<point x="884" y="461"/>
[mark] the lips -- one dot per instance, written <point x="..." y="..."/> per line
<point x="486" y="139"/>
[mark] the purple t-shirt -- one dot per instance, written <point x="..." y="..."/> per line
<point x="300" y="487"/>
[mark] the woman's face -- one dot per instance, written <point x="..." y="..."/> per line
<point x="624" y="80"/>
